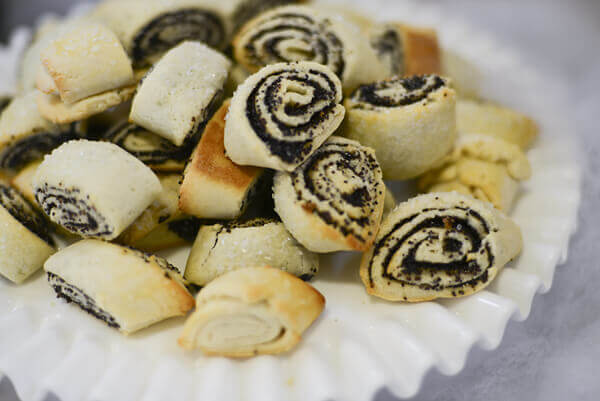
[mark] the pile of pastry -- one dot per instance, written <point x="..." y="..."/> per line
<point x="260" y="132"/>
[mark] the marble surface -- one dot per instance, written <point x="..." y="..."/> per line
<point x="554" y="354"/>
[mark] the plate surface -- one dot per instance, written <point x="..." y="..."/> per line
<point x="359" y="344"/>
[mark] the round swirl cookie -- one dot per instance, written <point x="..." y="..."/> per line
<point x="94" y="189"/>
<point x="180" y="92"/>
<point x="149" y="28"/>
<point x="305" y="33"/>
<point x="25" y="238"/>
<point x="25" y="135"/>
<point x="251" y="311"/>
<point x="410" y="122"/>
<point x="439" y="245"/>
<point x="334" y="201"/>
<point x="221" y="248"/>
<point x="125" y="288"/>
<point x="279" y="116"/>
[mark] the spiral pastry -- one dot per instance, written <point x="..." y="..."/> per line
<point x="125" y="288"/>
<point x="484" y="167"/>
<point x="334" y="201"/>
<point x="94" y="189"/>
<point x="279" y="116"/>
<point x="439" y="245"/>
<point x="251" y="311"/>
<point x="154" y="151"/>
<point x="407" y="50"/>
<point x="26" y="136"/>
<point x="304" y="33"/>
<point x="410" y="122"/>
<point x="149" y="28"/>
<point x="25" y="237"/>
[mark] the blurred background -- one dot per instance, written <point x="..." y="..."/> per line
<point x="554" y="354"/>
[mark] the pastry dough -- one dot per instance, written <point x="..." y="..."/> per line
<point x="334" y="200"/>
<point x="410" y="122"/>
<point x="407" y="50"/>
<point x="149" y="28"/>
<point x="439" y="245"/>
<point x="23" y="182"/>
<point x="86" y="61"/>
<point x="490" y="119"/>
<point x="125" y="288"/>
<point x="279" y="116"/>
<point x="389" y="201"/>
<point x="213" y="186"/>
<point x="177" y="96"/>
<point x="163" y="209"/>
<point x="484" y="167"/>
<point x="53" y="109"/>
<point x="257" y="310"/>
<point x="25" y="135"/>
<point x="25" y="239"/>
<point x="94" y="189"/>
<point x="305" y="33"/>
<point x="219" y="249"/>
<point x="153" y="150"/>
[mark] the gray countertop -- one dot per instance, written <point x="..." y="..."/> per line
<point x="554" y="354"/>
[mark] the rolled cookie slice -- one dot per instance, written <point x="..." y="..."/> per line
<point x="25" y="135"/>
<point x="178" y="95"/>
<point x="213" y="186"/>
<point x="219" y="249"/>
<point x="305" y="33"/>
<point x="125" y="288"/>
<point x="94" y="189"/>
<point x="25" y="236"/>
<point x="279" y="116"/>
<point x="407" y="50"/>
<point x="439" y="245"/>
<point x="251" y="311"/>
<point x="149" y="28"/>
<point x="85" y="61"/>
<point x="486" y="118"/>
<point x="484" y="167"/>
<point x="333" y="201"/>
<point x="153" y="150"/>
<point x="410" y="122"/>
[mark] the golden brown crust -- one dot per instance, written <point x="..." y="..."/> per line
<point x="211" y="170"/>
<point x="210" y="159"/>
<point x="421" y="50"/>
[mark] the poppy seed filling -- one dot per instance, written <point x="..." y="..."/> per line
<point x="70" y="293"/>
<point x="22" y="211"/>
<point x="169" y="29"/>
<point x="72" y="210"/>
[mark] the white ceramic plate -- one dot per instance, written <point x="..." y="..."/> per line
<point x="360" y="344"/>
